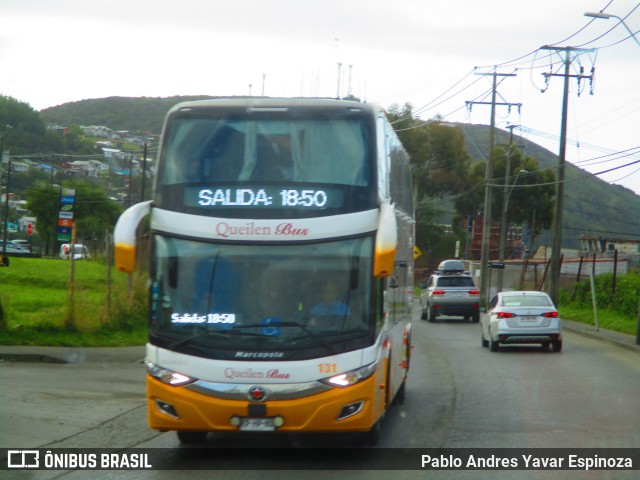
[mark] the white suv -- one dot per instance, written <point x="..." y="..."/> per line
<point x="450" y="291"/>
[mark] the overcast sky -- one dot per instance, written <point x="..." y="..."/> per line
<point x="425" y="52"/>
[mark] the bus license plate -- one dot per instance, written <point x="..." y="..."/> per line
<point x="248" y="424"/>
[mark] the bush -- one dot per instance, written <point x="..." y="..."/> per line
<point x="624" y="301"/>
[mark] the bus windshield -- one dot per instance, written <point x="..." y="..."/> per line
<point x="223" y="155"/>
<point x="229" y="149"/>
<point x="302" y="301"/>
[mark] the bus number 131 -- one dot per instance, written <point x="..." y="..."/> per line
<point x="327" y="368"/>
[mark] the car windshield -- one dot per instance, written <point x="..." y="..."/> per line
<point x="214" y="298"/>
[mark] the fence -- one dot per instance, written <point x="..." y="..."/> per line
<point x="533" y="274"/>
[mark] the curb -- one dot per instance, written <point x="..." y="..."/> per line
<point x="609" y="336"/>
<point x="70" y="355"/>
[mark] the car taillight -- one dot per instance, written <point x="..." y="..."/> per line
<point x="550" y="314"/>
<point x="474" y="292"/>
<point x="438" y="292"/>
<point x="505" y="315"/>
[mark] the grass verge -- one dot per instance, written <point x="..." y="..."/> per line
<point x="40" y="308"/>
<point x="606" y="319"/>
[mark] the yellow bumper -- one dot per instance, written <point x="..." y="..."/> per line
<point x="315" y="413"/>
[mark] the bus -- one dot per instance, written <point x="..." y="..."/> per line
<point x="281" y="242"/>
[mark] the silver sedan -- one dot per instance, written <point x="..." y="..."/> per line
<point x="13" y="247"/>
<point x="521" y="317"/>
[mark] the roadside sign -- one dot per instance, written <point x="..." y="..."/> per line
<point x="416" y="252"/>
<point x="65" y="215"/>
<point x="64" y="234"/>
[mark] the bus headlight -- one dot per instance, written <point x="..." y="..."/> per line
<point x="352" y="377"/>
<point x="168" y="376"/>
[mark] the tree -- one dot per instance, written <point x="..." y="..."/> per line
<point x="440" y="165"/>
<point x="531" y="198"/>
<point x="76" y="142"/>
<point x="445" y="174"/>
<point x="94" y="212"/>
<point x="26" y="130"/>
<point x="43" y="200"/>
<point x="438" y="158"/>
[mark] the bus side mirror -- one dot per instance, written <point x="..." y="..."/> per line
<point x="125" y="258"/>
<point x="386" y="242"/>
<point x="124" y="236"/>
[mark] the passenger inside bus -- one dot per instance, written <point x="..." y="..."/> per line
<point x="274" y="161"/>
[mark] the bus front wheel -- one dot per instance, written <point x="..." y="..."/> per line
<point x="372" y="437"/>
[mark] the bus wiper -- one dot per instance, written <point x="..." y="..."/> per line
<point x="309" y="333"/>
<point x="237" y="330"/>
<point x="206" y="333"/>
<point x="186" y="340"/>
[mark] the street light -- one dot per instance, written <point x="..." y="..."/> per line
<point x="503" y="225"/>
<point x="607" y="16"/>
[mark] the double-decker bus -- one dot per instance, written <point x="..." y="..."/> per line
<point x="281" y="268"/>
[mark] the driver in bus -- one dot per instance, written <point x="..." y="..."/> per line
<point x="330" y="303"/>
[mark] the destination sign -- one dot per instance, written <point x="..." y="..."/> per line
<point x="263" y="197"/>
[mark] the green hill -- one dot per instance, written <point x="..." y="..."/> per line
<point x="591" y="205"/>
<point x="136" y="114"/>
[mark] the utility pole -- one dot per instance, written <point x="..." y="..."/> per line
<point x="144" y="172"/>
<point x="556" y="248"/>
<point x="129" y="190"/>
<point x="6" y="180"/>
<point x="7" y="183"/>
<point x="485" y="289"/>
<point x="505" y="204"/>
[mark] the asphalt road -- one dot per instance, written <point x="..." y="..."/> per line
<point x="459" y="395"/>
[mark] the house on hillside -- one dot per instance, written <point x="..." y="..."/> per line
<point x="85" y="168"/>
<point x="59" y="130"/>
<point x="104" y="144"/>
<point x="97" y="131"/>
<point x="20" y="167"/>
